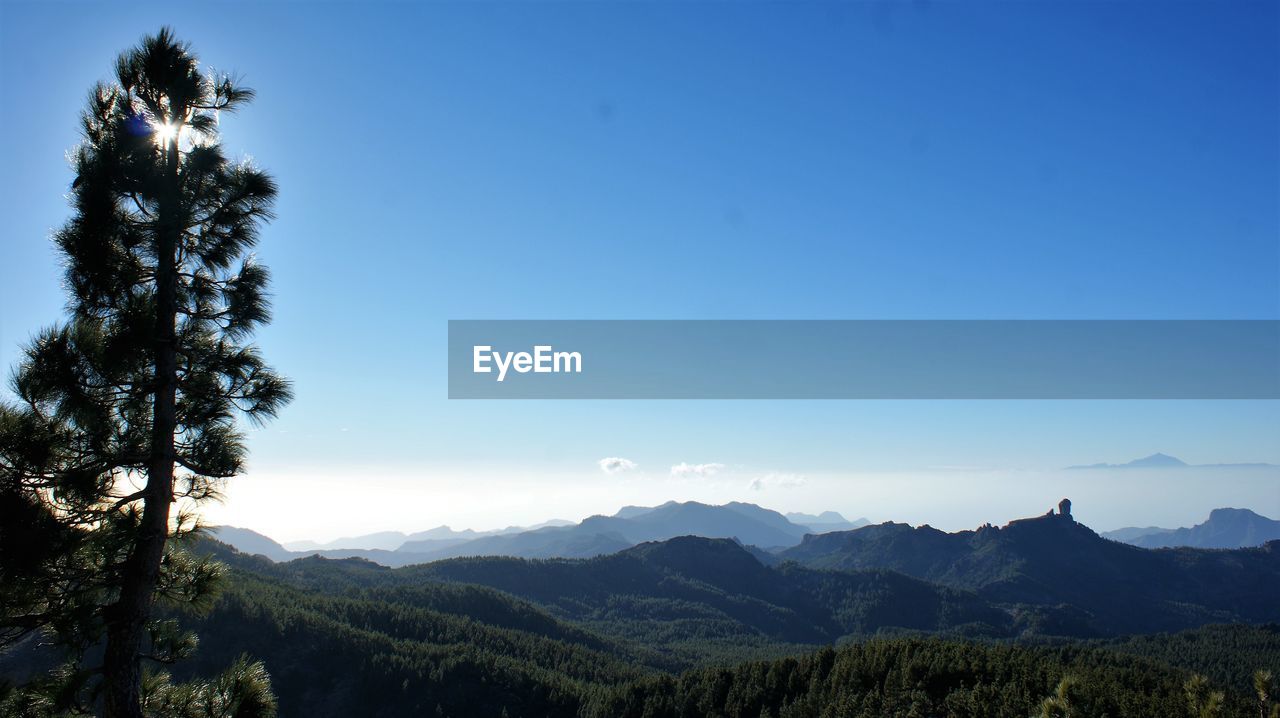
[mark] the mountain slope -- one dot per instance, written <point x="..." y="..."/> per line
<point x="1225" y="528"/>
<point x="388" y="650"/>
<point x="251" y="542"/>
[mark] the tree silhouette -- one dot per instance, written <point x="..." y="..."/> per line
<point x="131" y="407"/>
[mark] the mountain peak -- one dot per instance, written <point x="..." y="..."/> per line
<point x="718" y="561"/>
<point x="1230" y="513"/>
<point x="1157" y="459"/>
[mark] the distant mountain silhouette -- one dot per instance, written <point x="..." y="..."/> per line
<point x="442" y="537"/>
<point x="255" y="544"/>
<point x="380" y="541"/>
<point x="411" y="552"/>
<point x="630" y="512"/>
<point x="826" y="521"/>
<point x="1164" y="461"/>
<point x="251" y="542"/>
<point x="1225" y="528"/>
<point x="1128" y="533"/>
<point x="1053" y="560"/>
<point x="431" y="545"/>
<point x="431" y="539"/>
<point x="596" y="535"/>
<point x="748" y="523"/>
<point x="1155" y="461"/>
<point x="550" y="542"/>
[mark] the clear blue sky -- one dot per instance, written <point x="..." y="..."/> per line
<point x="697" y="160"/>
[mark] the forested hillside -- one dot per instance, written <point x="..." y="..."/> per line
<point x="687" y="627"/>
<point x="691" y="599"/>
<point x="923" y="677"/>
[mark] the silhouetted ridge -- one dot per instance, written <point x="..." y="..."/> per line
<point x="1052" y="559"/>
<point x="1225" y="528"/>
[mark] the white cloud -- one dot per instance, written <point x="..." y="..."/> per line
<point x="616" y="465"/>
<point x="777" y="481"/>
<point x="701" y="470"/>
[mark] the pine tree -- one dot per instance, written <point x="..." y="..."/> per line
<point x="1202" y="700"/>
<point x="132" y="406"/>
<point x="1262" y="682"/>
<point x="1060" y="704"/>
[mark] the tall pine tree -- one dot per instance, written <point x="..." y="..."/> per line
<point x="132" y="406"/>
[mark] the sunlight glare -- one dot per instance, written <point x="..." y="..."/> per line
<point x="164" y="132"/>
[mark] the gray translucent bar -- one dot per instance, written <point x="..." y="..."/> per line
<point x="942" y="359"/>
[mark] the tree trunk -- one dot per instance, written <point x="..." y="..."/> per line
<point x="127" y="619"/>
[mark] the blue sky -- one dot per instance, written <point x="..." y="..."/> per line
<point x="698" y="160"/>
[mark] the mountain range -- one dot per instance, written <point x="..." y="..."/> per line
<point x="1047" y="575"/>
<point x="397" y="540"/>
<point x="595" y="535"/>
<point x="767" y="534"/>
<point x="1067" y="579"/>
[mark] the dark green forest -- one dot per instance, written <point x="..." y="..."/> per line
<point x="680" y="628"/>
<point x="687" y="627"/>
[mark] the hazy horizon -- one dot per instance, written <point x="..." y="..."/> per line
<point x="1104" y="499"/>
